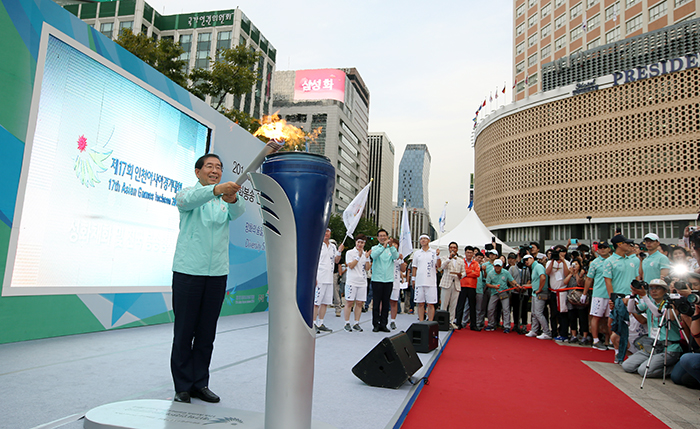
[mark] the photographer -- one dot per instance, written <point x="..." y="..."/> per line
<point x="687" y="371"/>
<point x="654" y="308"/>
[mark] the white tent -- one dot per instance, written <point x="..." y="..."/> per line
<point x="470" y="232"/>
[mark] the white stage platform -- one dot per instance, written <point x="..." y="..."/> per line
<point x="53" y="382"/>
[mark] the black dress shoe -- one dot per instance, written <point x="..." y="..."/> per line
<point x="384" y="329"/>
<point x="182" y="397"/>
<point x="375" y="329"/>
<point x="205" y="395"/>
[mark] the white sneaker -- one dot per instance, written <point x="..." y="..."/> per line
<point x="544" y="337"/>
<point x="531" y="334"/>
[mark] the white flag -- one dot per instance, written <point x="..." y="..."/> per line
<point x="441" y="221"/>
<point x="352" y="214"/>
<point x="405" y="244"/>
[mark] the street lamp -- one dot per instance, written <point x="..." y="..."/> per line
<point x="590" y="230"/>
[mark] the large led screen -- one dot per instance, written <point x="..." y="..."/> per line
<point x="96" y="206"/>
<point x="323" y="84"/>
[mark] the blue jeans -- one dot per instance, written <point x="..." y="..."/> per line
<point x="687" y="371"/>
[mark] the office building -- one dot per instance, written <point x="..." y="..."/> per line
<point x="200" y="34"/>
<point x="559" y="31"/>
<point x="335" y="104"/>
<point x="381" y="169"/>
<point x="612" y="141"/>
<point x="414" y="177"/>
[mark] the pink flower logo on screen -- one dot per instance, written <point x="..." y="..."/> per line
<point x="90" y="162"/>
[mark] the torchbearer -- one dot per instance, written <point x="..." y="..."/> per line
<point x="425" y="265"/>
<point x="383" y="256"/>
<point x="200" y="270"/>
<point x="324" y="280"/>
<point x="358" y="262"/>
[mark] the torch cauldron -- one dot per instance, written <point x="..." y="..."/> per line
<point x="296" y="191"/>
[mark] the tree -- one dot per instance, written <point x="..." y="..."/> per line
<point x="365" y="226"/>
<point x="163" y="55"/>
<point x="233" y="72"/>
<point x="243" y="119"/>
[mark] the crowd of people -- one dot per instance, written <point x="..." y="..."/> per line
<point x="637" y="299"/>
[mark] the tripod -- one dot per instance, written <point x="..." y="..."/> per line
<point x="665" y="322"/>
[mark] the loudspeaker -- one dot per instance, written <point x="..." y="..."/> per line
<point x="442" y="317"/>
<point x="390" y="363"/>
<point x="423" y="336"/>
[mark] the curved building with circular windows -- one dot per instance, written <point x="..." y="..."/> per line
<point x="612" y="141"/>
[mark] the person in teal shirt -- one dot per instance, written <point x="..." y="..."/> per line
<point x="600" y="301"/>
<point x="482" y="293"/>
<point x="200" y="270"/>
<point x="619" y="271"/>
<point x="656" y="265"/>
<point x="539" y="299"/>
<point x="498" y="281"/>
<point x="654" y="308"/>
<point x="383" y="256"/>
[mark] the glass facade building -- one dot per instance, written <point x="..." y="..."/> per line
<point x="414" y="174"/>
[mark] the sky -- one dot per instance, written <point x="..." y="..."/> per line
<point x="428" y="66"/>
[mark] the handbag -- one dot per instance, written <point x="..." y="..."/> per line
<point x="503" y="295"/>
<point x="544" y="296"/>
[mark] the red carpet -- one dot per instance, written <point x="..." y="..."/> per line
<point x="492" y="379"/>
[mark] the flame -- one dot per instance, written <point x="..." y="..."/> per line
<point x="275" y="128"/>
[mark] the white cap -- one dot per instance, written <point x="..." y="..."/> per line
<point x="423" y="236"/>
<point x="658" y="282"/>
<point x="493" y="252"/>
<point x="541" y="255"/>
<point x="651" y="236"/>
<point x="497" y="263"/>
<point x="528" y="256"/>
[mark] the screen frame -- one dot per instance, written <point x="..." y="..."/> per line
<point x="7" y="288"/>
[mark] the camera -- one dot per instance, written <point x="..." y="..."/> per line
<point x="636" y="284"/>
<point x="685" y="304"/>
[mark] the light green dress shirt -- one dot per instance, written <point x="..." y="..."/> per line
<point x="202" y="244"/>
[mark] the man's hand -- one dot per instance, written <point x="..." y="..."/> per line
<point x="227" y="189"/>
<point x="437" y="252"/>
<point x="229" y="198"/>
<point x="342" y="246"/>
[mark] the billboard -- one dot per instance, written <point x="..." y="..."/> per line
<point x="94" y="145"/>
<point x="322" y="84"/>
<point x="96" y="204"/>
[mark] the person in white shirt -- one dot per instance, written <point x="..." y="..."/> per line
<point x="324" y="280"/>
<point x="557" y="269"/>
<point x="424" y="276"/>
<point x="399" y="276"/>
<point x="357" y="262"/>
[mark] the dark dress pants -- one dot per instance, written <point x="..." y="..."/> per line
<point x="466" y="293"/>
<point x="381" y="297"/>
<point x="197" y="304"/>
